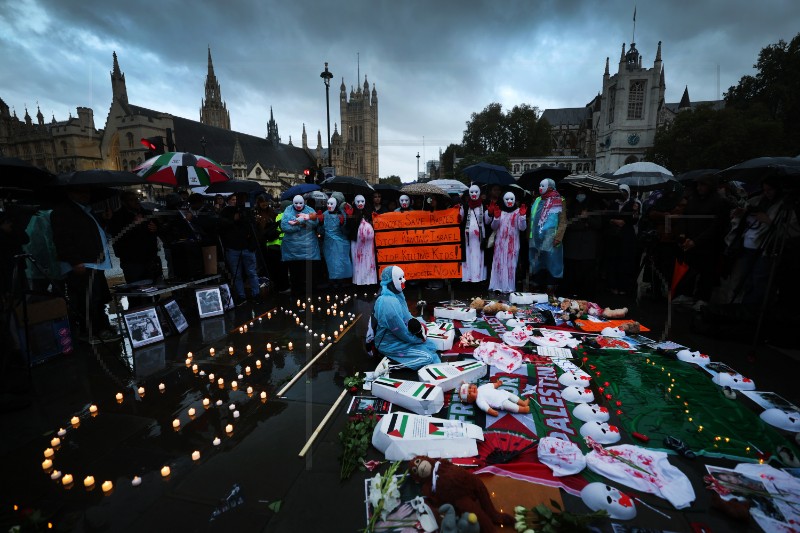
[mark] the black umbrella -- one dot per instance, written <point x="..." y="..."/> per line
<point x="300" y="189"/>
<point x="530" y="178"/>
<point x="348" y="185"/>
<point x="761" y="167"/>
<point x="236" y="186"/>
<point x="694" y="175"/>
<point x="99" y="178"/>
<point x="21" y="175"/>
<point x="488" y="174"/>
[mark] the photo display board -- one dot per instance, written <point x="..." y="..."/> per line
<point x="425" y="244"/>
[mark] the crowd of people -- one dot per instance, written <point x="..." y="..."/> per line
<point x="558" y="240"/>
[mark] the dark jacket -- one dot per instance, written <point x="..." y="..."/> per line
<point x="75" y="235"/>
<point x="236" y="234"/>
<point x="133" y="242"/>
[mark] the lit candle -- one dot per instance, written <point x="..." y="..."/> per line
<point x="263" y="395"/>
<point x="62" y="432"/>
<point x="176" y="423"/>
<point x="269" y="316"/>
<point x="336" y="334"/>
<point x="165" y="471"/>
<point x="249" y="391"/>
<point x="269" y="347"/>
<point x="298" y="303"/>
<point x="161" y="387"/>
<point x="258" y="363"/>
<point x="188" y="362"/>
<point x="195" y="455"/>
<point x="241" y="376"/>
<point x="291" y="346"/>
<point x="234" y="384"/>
<point x="48" y="453"/>
<point x="308" y="345"/>
<point x="341" y="314"/>
<point x="230" y="350"/>
<point x="328" y="298"/>
<point x="189" y="355"/>
<point x="247" y="368"/>
<point x="211" y="352"/>
<point x="216" y="441"/>
<point x="55" y="442"/>
<point x="75" y="421"/>
<point x="341" y="327"/>
<point x="136" y="481"/>
<point x="220" y="382"/>
<point x="88" y="481"/>
<point x="219" y="402"/>
<point x="328" y="311"/>
<point x="232" y="407"/>
<point x="211" y="377"/>
<point x="119" y="397"/>
<point x="107" y="486"/>
<point x="236" y="414"/>
<point x="141" y="391"/>
<point x="47" y="464"/>
<point x="322" y="337"/>
<point x="55" y="475"/>
<point x="67" y="480"/>
<point x="241" y="330"/>
<point x="312" y="308"/>
<point x="93" y="409"/>
<point x="195" y="368"/>
<point x="297" y="320"/>
<point x="229" y="428"/>
<point x="191" y="411"/>
<point x="249" y="348"/>
<point x="206" y="402"/>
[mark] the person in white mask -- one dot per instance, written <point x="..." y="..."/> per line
<point x="474" y="221"/>
<point x="547" y="227"/>
<point x="362" y="242"/>
<point x="300" y="246"/>
<point x="508" y="221"/>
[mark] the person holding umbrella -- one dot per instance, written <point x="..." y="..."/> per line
<point x="300" y="246"/>
<point x="335" y="244"/>
<point x="508" y="221"/>
<point x="548" y="224"/>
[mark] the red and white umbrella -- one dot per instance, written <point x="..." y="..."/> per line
<point x="182" y="169"/>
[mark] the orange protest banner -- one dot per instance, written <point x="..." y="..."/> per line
<point x="415" y="219"/>
<point x="428" y="270"/>
<point x="404" y="254"/>
<point x="416" y="237"/>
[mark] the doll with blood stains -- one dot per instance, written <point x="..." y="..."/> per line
<point x="393" y="337"/>
<point x="362" y="242"/>
<point x="335" y="244"/>
<point x="300" y="246"/>
<point x="474" y="221"/>
<point x="490" y="398"/>
<point x="508" y="221"/>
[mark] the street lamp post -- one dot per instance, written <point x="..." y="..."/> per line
<point x="417" y="167"/>
<point x="326" y="79"/>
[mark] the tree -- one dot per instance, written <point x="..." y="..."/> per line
<point x="391" y="180"/>
<point x="449" y="158"/>
<point x="518" y="132"/>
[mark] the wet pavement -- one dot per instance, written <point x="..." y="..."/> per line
<point x="277" y="490"/>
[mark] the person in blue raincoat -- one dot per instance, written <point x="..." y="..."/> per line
<point x="547" y="227"/>
<point x="300" y="246"/>
<point x="392" y="336"/>
<point x="335" y="244"/>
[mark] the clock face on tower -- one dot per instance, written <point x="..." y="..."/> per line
<point x="633" y="139"/>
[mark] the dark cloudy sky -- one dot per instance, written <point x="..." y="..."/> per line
<point x="434" y="62"/>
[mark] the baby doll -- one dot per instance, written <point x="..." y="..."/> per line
<point x="489" y="398"/>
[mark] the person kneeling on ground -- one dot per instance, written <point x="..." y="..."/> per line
<point x="392" y="336"/>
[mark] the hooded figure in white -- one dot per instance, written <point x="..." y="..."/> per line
<point x="299" y="224"/>
<point x="335" y="244"/>
<point x="362" y="243"/>
<point x="475" y="218"/>
<point x="392" y="336"/>
<point x="508" y="222"/>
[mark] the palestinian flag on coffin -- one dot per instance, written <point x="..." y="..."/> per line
<point x="182" y="169"/>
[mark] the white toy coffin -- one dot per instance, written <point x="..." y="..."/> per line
<point x="527" y="298"/>
<point x="441" y="335"/>
<point x="455" y="313"/>
<point x="403" y="436"/>
<point x="449" y="376"/>
<point x="417" y="397"/>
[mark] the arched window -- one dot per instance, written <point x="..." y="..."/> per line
<point x="636" y="100"/>
<point x="516" y="168"/>
<point x="631" y="159"/>
<point x="526" y="167"/>
<point x="129" y="136"/>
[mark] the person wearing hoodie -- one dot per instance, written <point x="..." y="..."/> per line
<point x="547" y="227"/>
<point x="393" y="336"/>
<point x="620" y="244"/>
<point x="300" y="246"/>
<point x="508" y="221"/>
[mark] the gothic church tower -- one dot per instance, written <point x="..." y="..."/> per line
<point x="355" y="150"/>
<point x="213" y="110"/>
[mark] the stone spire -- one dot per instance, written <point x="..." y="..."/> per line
<point x="606" y="73"/>
<point x="658" y="53"/>
<point x="39" y="116"/>
<point x="685" y="102"/>
<point x="305" y="137"/>
<point x="28" y="119"/>
<point x="238" y="163"/>
<point x="213" y="110"/>
<point x="374" y="95"/>
<point x="119" y="91"/>
<point x="272" y="130"/>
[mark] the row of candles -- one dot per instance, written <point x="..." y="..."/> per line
<point x="107" y="486"/>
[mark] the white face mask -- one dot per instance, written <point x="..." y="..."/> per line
<point x="509" y="199"/>
<point x="331" y="205"/>
<point x="298" y="202"/>
<point x="599" y="496"/>
<point x="543" y="186"/>
<point x="577" y="394"/>
<point x="405" y="201"/>
<point x="601" y="432"/>
<point x="360" y="202"/>
<point x="788" y="420"/>
<point x="474" y="192"/>
<point x="575" y="379"/>
<point x="590" y="412"/>
<point x="398" y="279"/>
